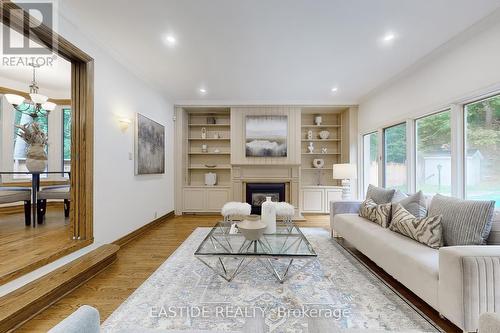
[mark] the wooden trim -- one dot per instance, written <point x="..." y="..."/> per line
<point x="27" y="301"/>
<point x="136" y="233"/>
<point x="42" y="261"/>
<point x="58" y="101"/>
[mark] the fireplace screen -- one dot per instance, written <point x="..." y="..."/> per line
<point x="256" y="194"/>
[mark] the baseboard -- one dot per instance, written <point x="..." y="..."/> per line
<point x="24" y="303"/>
<point x="136" y="233"/>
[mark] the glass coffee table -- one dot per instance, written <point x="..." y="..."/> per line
<point x="227" y="254"/>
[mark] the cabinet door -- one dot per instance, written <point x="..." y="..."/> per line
<point x="313" y="200"/>
<point x="216" y="198"/>
<point x="194" y="199"/>
<point x="332" y="195"/>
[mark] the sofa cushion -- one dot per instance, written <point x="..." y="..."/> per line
<point x="413" y="264"/>
<point x="379" y="194"/>
<point x="380" y="214"/>
<point x="494" y="238"/>
<point x="465" y="222"/>
<point x="427" y="230"/>
<point x="415" y="204"/>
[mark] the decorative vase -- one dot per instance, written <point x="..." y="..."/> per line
<point x="310" y="148"/>
<point x="36" y="158"/>
<point x="323" y="135"/>
<point x="269" y="215"/>
<point x="203" y="133"/>
<point x="210" y="179"/>
<point x="318" y="120"/>
<point x="310" y="134"/>
<point x="318" y="163"/>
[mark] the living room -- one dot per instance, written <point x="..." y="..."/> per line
<point x="250" y="166"/>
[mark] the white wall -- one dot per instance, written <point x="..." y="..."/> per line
<point x="123" y="202"/>
<point x="464" y="68"/>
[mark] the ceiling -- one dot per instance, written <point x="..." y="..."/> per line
<point x="272" y="51"/>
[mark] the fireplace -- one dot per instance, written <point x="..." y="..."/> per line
<point x="256" y="194"/>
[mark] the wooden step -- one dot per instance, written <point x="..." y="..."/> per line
<point x="22" y="304"/>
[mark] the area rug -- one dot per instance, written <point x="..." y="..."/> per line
<point x="335" y="293"/>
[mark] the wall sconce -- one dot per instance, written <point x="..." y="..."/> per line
<point x="124" y="123"/>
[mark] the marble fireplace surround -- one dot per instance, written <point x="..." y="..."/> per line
<point x="287" y="174"/>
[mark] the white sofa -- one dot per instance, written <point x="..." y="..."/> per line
<point x="460" y="282"/>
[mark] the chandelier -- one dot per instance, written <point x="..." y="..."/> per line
<point x="38" y="104"/>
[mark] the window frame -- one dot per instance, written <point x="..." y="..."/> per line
<point x="383" y="154"/>
<point x="364" y="182"/>
<point x="458" y="124"/>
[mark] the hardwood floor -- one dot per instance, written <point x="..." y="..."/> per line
<point x="23" y="248"/>
<point x="139" y="258"/>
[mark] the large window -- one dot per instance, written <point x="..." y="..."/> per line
<point x="66" y="136"/>
<point x="370" y="159"/>
<point x="395" y="162"/>
<point x="482" y="149"/>
<point x="433" y="153"/>
<point x="20" y="148"/>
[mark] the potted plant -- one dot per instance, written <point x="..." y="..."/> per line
<point x="36" y="139"/>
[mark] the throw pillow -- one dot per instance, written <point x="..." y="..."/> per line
<point x="427" y="230"/>
<point x="380" y="214"/>
<point x="379" y="194"/>
<point x="465" y="222"/>
<point x="398" y="196"/>
<point x="415" y="204"/>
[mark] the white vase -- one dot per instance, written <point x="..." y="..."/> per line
<point x="36" y="158"/>
<point x="269" y="215"/>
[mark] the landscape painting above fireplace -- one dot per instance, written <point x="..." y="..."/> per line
<point x="266" y="136"/>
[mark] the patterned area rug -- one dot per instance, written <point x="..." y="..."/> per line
<point x="335" y="293"/>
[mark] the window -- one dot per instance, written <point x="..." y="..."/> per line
<point x="370" y="159"/>
<point x="20" y="148"/>
<point x="433" y="153"/>
<point x="66" y="137"/>
<point x="482" y="149"/>
<point x="395" y="166"/>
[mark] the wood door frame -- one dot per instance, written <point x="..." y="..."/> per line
<point x="82" y="105"/>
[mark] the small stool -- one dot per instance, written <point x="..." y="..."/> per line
<point x="232" y="210"/>
<point x="285" y="211"/>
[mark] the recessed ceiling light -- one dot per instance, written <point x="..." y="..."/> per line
<point x="388" y="37"/>
<point x="335" y="89"/>
<point x="170" y="40"/>
<point x="202" y="90"/>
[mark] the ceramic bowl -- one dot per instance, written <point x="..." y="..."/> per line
<point x="324" y="135"/>
<point x="252" y="230"/>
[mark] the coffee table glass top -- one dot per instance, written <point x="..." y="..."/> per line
<point x="288" y="241"/>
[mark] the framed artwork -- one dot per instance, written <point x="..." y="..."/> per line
<point x="149" y="146"/>
<point x="266" y="136"/>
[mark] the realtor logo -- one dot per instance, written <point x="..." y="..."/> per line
<point x="22" y="50"/>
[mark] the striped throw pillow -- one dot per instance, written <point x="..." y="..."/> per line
<point x="380" y="214"/>
<point x="427" y="230"/>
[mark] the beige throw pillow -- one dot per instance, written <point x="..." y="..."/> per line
<point x="380" y="214"/>
<point x="427" y="230"/>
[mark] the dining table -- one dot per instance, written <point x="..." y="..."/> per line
<point x="35" y="188"/>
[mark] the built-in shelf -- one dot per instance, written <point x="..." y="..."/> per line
<point x="317" y="169"/>
<point x="313" y="154"/>
<point x="209" y="125"/>
<point x="209" y="153"/>
<point x="209" y="139"/>
<point x="321" y="126"/>
<point x="203" y="167"/>
<point x="321" y="140"/>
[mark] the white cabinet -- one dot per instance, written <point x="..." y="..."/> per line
<point x="316" y="199"/>
<point x="205" y="199"/>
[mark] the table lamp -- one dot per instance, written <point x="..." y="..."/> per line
<point x="345" y="172"/>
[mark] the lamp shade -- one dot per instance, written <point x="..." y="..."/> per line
<point x="14" y="99"/>
<point x="38" y="99"/>
<point x="344" y="171"/>
<point x="48" y="106"/>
